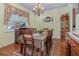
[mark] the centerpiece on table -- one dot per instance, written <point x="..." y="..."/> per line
<point x="40" y="30"/>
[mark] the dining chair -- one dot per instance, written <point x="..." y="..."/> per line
<point x="27" y="44"/>
<point x="51" y="34"/>
<point x="48" y="42"/>
<point x="21" y="40"/>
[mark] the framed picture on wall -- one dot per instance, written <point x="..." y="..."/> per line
<point x="48" y="19"/>
<point x="15" y="18"/>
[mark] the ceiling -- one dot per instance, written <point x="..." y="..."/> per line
<point x="47" y="6"/>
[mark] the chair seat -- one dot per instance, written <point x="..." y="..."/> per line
<point x="28" y="43"/>
<point x="28" y="39"/>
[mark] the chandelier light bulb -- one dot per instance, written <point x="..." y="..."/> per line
<point x="38" y="9"/>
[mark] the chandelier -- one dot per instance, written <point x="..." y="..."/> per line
<point x="38" y="9"/>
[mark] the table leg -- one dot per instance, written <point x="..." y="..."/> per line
<point x="41" y="48"/>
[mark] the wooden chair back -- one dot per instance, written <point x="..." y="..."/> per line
<point x="28" y="39"/>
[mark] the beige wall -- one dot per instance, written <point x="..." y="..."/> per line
<point x="6" y="38"/>
<point x="37" y="21"/>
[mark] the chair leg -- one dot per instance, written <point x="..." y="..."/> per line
<point x="48" y="50"/>
<point x="21" y="50"/>
<point x="24" y="50"/>
<point x="51" y="43"/>
<point x="41" y="53"/>
<point x="32" y="51"/>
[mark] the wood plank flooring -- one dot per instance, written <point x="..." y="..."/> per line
<point x="8" y="50"/>
<point x="58" y="49"/>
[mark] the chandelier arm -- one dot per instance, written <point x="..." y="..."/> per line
<point x="38" y="9"/>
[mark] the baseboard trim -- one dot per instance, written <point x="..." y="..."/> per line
<point x="2" y="46"/>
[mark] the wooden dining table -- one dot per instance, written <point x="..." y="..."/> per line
<point x="39" y="40"/>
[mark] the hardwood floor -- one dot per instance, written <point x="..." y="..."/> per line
<point x="9" y="50"/>
<point x="58" y="49"/>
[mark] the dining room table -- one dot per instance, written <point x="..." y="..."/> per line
<point x="39" y="40"/>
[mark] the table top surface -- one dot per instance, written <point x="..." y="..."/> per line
<point x="39" y="36"/>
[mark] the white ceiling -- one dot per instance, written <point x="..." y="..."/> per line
<point x="47" y="6"/>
